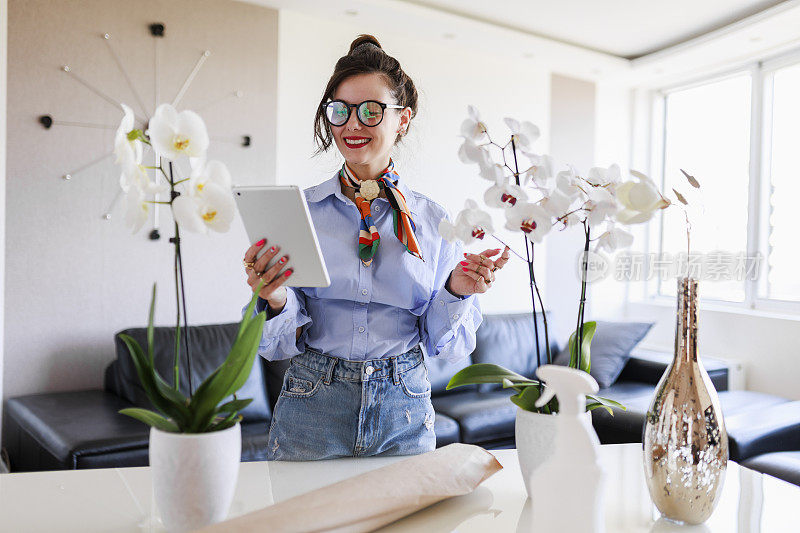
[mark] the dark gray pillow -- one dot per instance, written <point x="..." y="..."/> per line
<point x="611" y="348"/>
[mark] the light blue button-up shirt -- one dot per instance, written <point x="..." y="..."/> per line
<point x="376" y="311"/>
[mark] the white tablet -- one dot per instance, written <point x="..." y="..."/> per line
<point x="280" y="214"/>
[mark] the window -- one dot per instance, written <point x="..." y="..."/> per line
<point x="738" y="134"/>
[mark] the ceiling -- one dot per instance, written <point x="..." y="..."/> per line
<point x="623" y="28"/>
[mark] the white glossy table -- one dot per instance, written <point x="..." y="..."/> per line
<point x="121" y="499"/>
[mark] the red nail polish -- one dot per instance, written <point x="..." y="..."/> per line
<point x="272" y="249"/>
<point x="288" y="273"/>
<point x="465" y="254"/>
<point x="465" y="269"/>
<point x="261" y="242"/>
<point x="465" y="263"/>
<point x="283" y="260"/>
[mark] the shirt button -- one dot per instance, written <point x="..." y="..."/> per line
<point x="364" y="291"/>
<point x="369" y="370"/>
<point x="455" y="317"/>
<point x="441" y="303"/>
<point x="361" y="329"/>
<point x="377" y="208"/>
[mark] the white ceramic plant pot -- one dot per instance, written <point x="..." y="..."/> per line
<point x="194" y="475"/>
<point x="535" y="434"/>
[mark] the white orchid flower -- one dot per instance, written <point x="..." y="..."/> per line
<point x="471" y="224"/>
<point x="613" y="239"/>
<point x="604" y="177"/>
<point x="601" y="205"/>
<point x="472" y="128"/>
<point x="136" y="208"/>
<point x="530" y="219"/>
<point x="213" y="209"/>
<point x="174" y="134"/>
<point x="470" y="152"/>
<point x="136" y="175"/>
<point x="492" y="171"/>
<point x="205" y="173"/>
<point x="504" y="194"/>
<point x="639" y="199"/>
<point x="568" y="183"/>
<point x="557" y="204"/>
<point x="524" y="133"/>
<point x="129" y="153"/>
<point x="541" y="173"/>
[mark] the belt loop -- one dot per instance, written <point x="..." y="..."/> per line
<point x="395" y="376"/>
<point x="329" y="374"/>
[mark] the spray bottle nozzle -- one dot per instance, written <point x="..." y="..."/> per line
<point x="546" y="396"/>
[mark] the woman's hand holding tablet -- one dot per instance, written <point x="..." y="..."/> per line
<point x="274" y="277"/>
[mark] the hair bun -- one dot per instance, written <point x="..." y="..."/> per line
<point x="362" y="40"/>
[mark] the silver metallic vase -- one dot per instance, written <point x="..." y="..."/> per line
<point x="685" y="443"/>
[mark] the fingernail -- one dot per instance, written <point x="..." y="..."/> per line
<point x="272" y="249"/>
<point x="288" y="273"/>
<point x="261" y="242"/>
<point x="283" y="260"/>
<point x="465" y="263"/>
<point x="465" y="254"/>
<point x="465" y="269"/>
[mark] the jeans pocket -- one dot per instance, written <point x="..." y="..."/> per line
<point x="415" y="382"/>
<point x="301" y="382"/>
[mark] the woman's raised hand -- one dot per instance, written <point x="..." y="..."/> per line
<point x="273" y="277"/>
<point x="476" y="273"/>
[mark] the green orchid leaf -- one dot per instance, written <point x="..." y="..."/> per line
<point x="606" y="402"/>
<point x="486" y="373"/>
<point x="527" y="399"/>
<point x="174" y="408"/>
<point x="234" y="405"/>
<point x="232" y="374"/>
<point x="151" y="419"/>
<point x="589" y="329"/>
<point x="224" y="424"/>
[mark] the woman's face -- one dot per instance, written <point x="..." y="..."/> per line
<point x="379" y="139"/>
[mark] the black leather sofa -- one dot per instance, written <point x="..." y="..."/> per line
<point x="82" y="429"/>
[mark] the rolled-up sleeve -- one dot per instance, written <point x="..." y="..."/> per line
<point x="279" y="339"/>
<point x="449" y="323"/>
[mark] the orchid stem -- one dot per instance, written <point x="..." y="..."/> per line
<point x="510" y="248"/>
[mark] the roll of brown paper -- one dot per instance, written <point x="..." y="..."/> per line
<point x="376" y="498"/>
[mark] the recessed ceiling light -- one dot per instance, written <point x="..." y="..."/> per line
<point x="351" y="12"/>
<point x="449" y="35"/>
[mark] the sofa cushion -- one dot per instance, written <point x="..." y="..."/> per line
<point x="209" y="345"/>
<point x="482" y="416"/>
<point x="611" y="349"/>
<point x="759" y="431"/>
<point x="508" y="340"/>
<point x="783" y="465"/>
<point x="440" y="371"/>
<point x="446" y="430"/>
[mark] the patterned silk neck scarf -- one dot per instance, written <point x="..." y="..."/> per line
<point x="404" y="228"/>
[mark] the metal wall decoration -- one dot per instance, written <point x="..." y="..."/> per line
<point x="157" y="31"/>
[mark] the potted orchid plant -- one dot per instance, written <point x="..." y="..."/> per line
<point x="535" y="200"/>
<point x="201" y="428"/>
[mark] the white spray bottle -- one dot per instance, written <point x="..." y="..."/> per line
<point x="568" y="487"/>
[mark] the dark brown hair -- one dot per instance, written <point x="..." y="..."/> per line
<point x="365" y="56"/>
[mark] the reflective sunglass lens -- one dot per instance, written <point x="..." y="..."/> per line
<point x="336" y="113"/>
<point x="370" y="113"/>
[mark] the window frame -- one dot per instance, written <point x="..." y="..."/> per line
<point x="761" y="74"/>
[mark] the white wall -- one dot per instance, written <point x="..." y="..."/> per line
<point x="448" y="78"/>
<point x="73" y="279"/>
<point x="3" y="69"/>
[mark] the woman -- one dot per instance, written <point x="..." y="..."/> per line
<point x="357" y="383"/>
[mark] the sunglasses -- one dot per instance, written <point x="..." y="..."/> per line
<point x="369" y="112"/>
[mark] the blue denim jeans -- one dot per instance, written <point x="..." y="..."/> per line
<point x="331" y="407"/>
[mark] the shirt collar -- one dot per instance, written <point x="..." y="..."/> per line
<point x="332" y="186"/>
